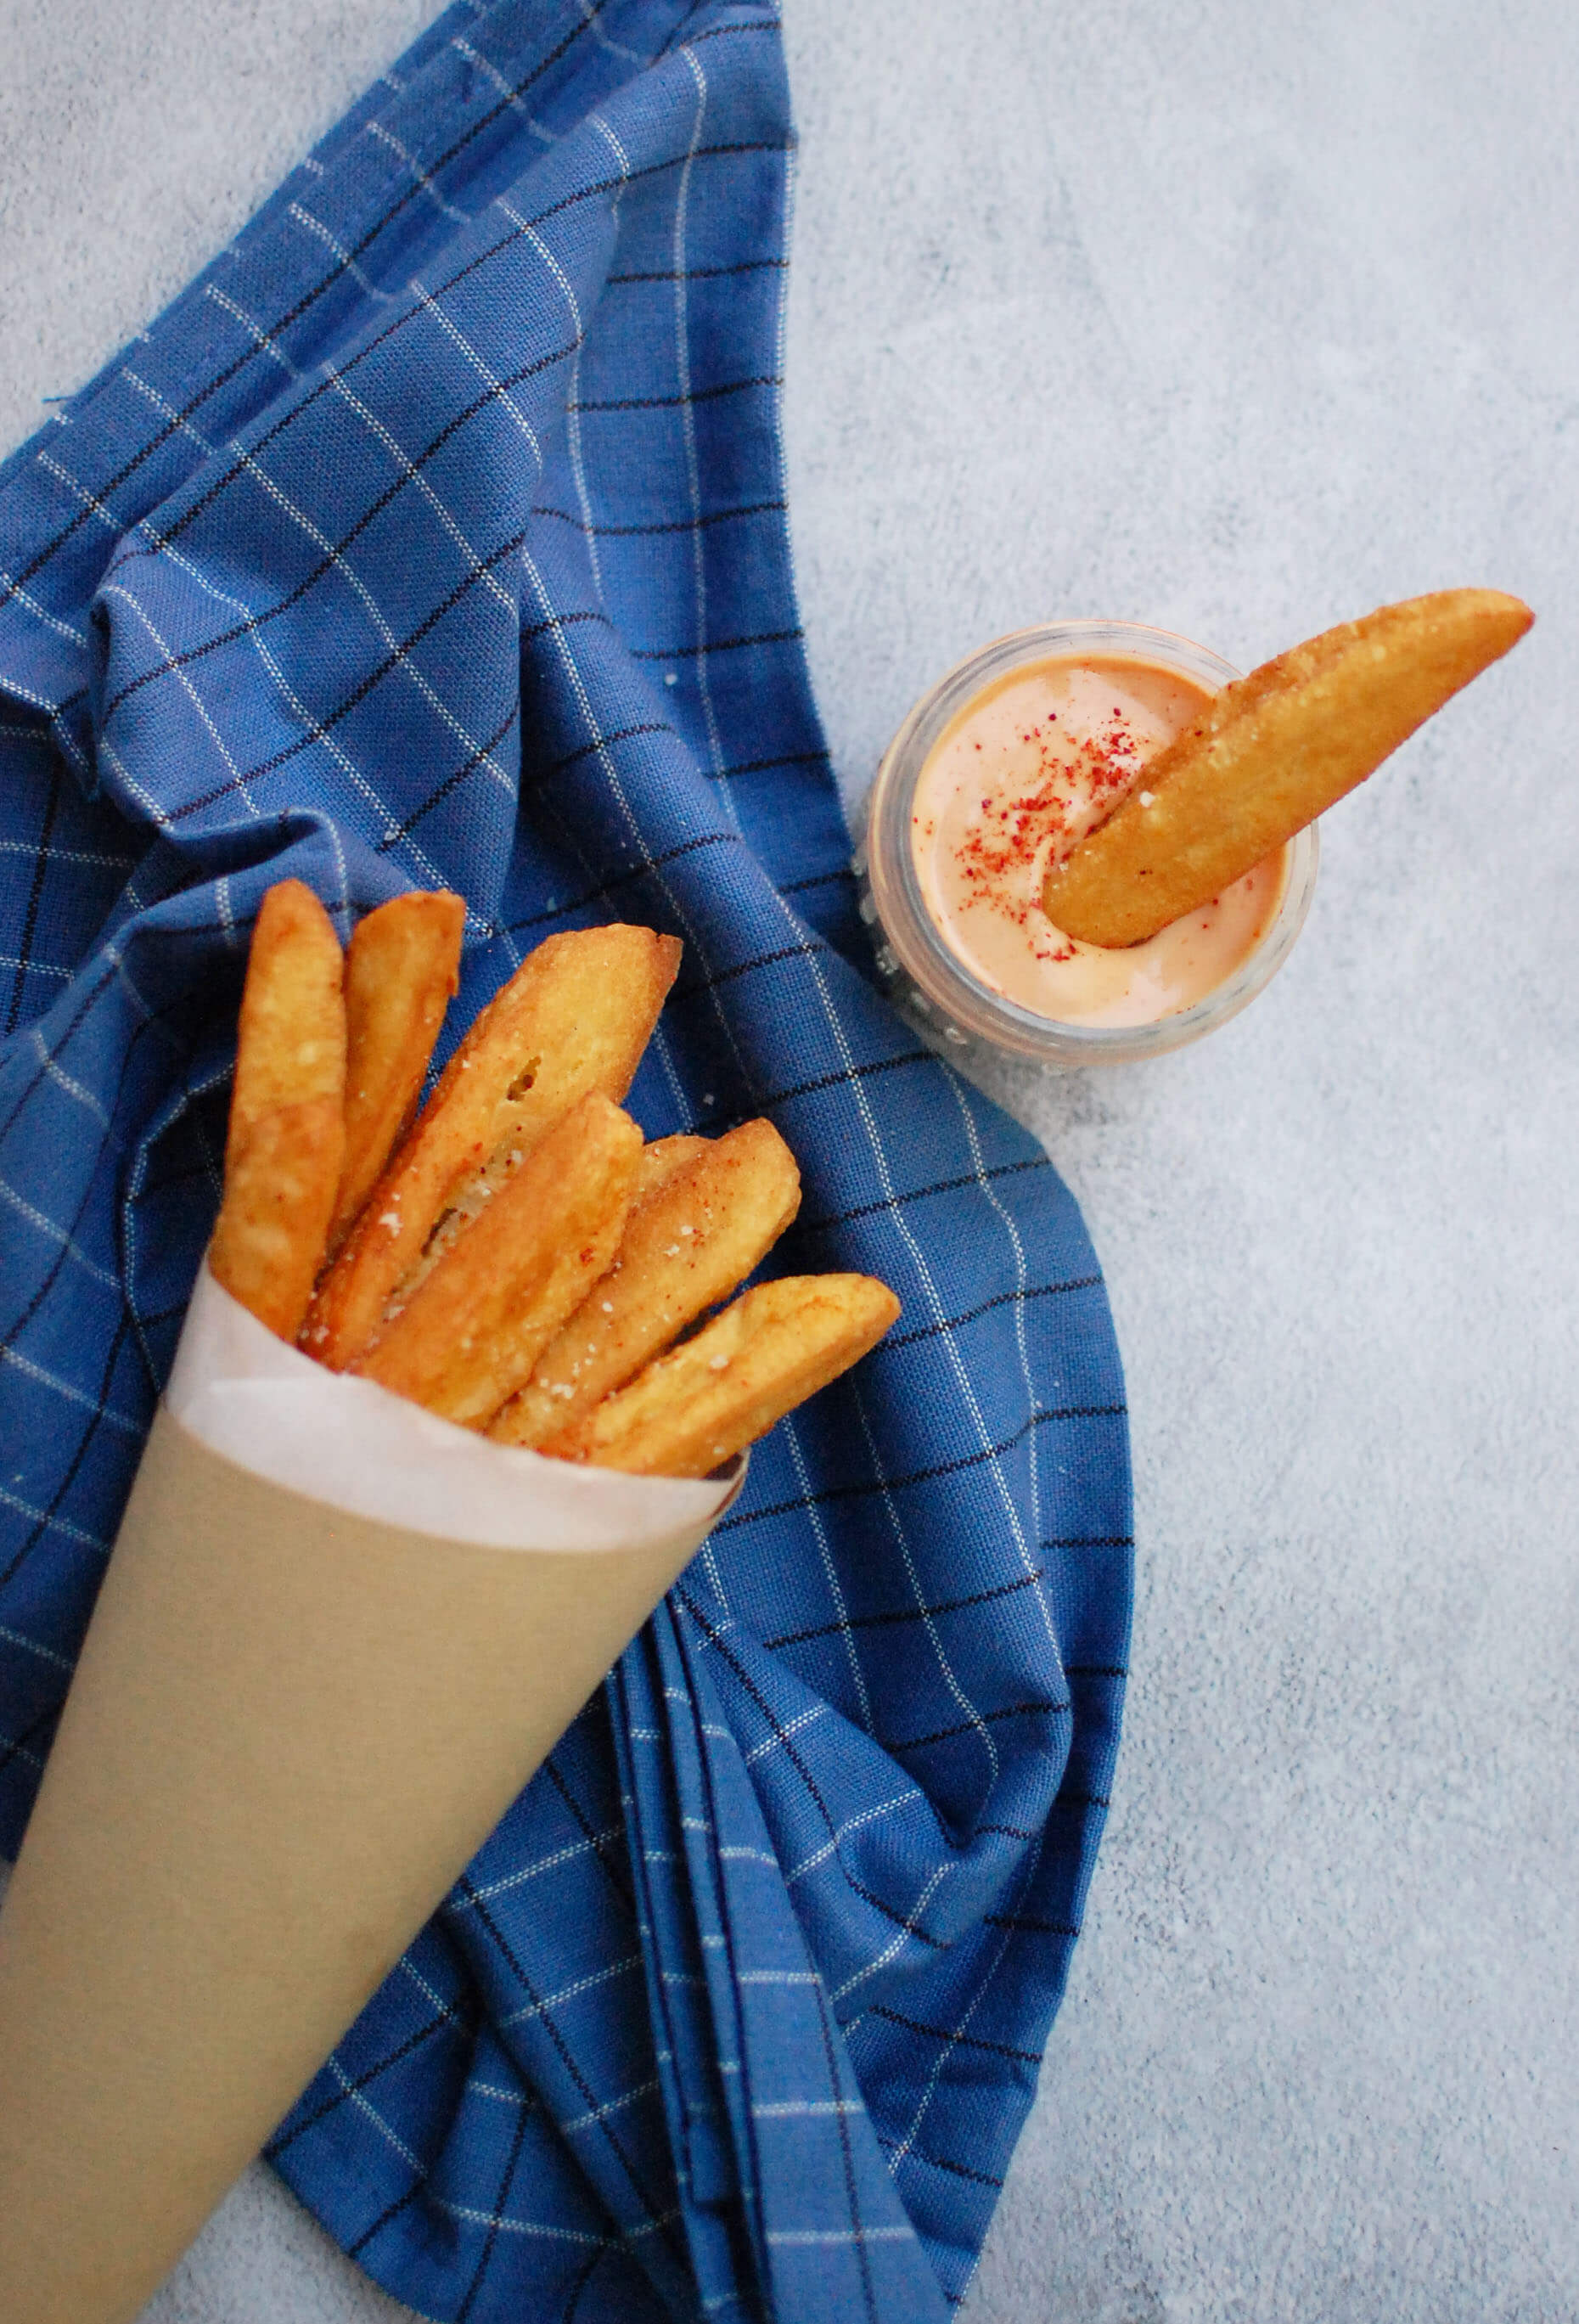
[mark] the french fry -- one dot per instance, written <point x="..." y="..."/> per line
<point x="1269" y="754"/>
<point x="687" y="1247"/>
<point x="471" y="1334"/>
<point x="401" y="968"/>
<point x="286" y="1137"/>
<point x="664" y="1159"/>
<point x="742" y="1372"/>
<point x="291" y="1035"/>
<point x="574" y="1018"/>
<point x="279" y="1182"/>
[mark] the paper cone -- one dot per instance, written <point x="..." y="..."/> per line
<point x="291" y="1727"/>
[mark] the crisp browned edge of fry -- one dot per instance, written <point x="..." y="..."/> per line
<point x="290" y="1027"/>
<point x="470" y="1335"/>
<point x="746" y="1188"/>
<point x="450" y="1141"/>
<point x="664" y="1158"/>
<point x="1271" y="753"/>
<point x="686" y="1412"/>
<point x="279" y="1185"/>
<point x="403" y="968"/>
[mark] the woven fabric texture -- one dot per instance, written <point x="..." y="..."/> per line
<point x="437" y="535"/>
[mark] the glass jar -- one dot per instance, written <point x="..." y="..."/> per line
<point x="928" y="981"/>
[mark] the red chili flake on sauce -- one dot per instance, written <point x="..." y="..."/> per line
<point x="999" y="860"/>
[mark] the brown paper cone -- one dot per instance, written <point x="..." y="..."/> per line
<point x="289" y="1731"/>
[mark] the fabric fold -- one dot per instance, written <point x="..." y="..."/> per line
<point x="439" y="532"/>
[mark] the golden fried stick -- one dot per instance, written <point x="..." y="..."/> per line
<point x="472" y="1334"/>
<point x="291" y="1035"/>
<point x="664" y="1159"/>
<point x="742" y="1372"/>
<point x="1269" y="754"/>
<point x="575" y="1017"/>
<point x="686" y="1248"/>
<point x="401" y="968"/>
<point x="268" y="1241"/>
<point x="287" y="1134"/>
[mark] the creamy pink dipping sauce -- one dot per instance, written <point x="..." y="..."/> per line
<point x="1032" y="764"/>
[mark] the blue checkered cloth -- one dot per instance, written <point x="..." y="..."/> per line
<point x="437" y="535"/>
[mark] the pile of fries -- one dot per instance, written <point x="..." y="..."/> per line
<point x="516" y="1259"/>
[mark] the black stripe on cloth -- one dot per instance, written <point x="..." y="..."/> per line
<point x="674" y="524"/>
<point x="690" y="523"/>
<point x="594" y="1838"/>
<point x="1003" y="1299"/>
<point x="586" y="2277"/>
<point x="761" y="766"/>
<point x="665" y="402"/>
<point x="449" y="2013"/>
<point x="908" y="1613"/>
<point x="409" y="824"/>
<point x="20" y="1747"/>
<point x="699" y="273"/>
<point x="637" y="871"/>
<point x="564" y="622"/>
<point x="969" y="1726"/>
<point x="34" y="898"/>
<point x="1095" y="1670"/>
<point x="90" y="1429"/>
<point x="849" y="1073"/>
<point x="150" y="1323"/>
<point x="851" y="2194"/>
<point x="496" y="2215"/>
<point x="726" y="31"/>
<point x="715" y="1638"/>
<point x="711" y="982"/>
<point x="921" y="1476"/>
<point x="1027" y="1920"/>
<point x="390" y="2212"/>
<point x="712" y="646"/>
<point x="607" y="742"/>
<point x="566" y="2055"/>
<point x="359" y="693"/>
<point x="921" y="1194"/>
<point x="953" y="2039"/>
<point x="938" y="2162"/>
<point x="821" y="880"/>
<point x="48" y="1061"/>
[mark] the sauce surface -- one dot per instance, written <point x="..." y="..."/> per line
<point x="1032" y="763"/>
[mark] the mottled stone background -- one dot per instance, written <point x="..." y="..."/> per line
<point x="1239" y="319"/>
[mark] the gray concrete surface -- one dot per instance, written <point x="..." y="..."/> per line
<point x="1240" y="320"/>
